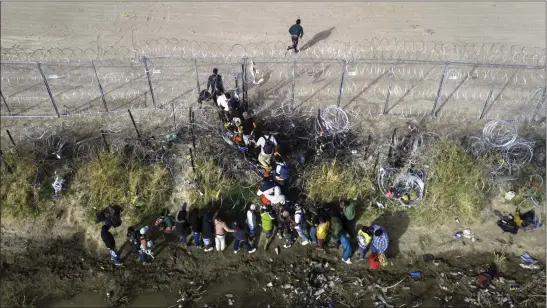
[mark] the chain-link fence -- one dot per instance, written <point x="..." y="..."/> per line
<point x="403" y="87"/>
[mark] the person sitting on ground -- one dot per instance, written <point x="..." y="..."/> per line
<point x="247" y="129"/>
<point x="268" y="148"/>
<point x="251" y="222"/>
<point x="182" y="224"/>
<point x="207" y="231"/>
<point x="221" y="228"/>
<point x="165" y="222"/>
<point x="322" y="231"/>
<point x="110" y="244"/>
<point x="241" y="236"/>
<point x="364" y="239"/>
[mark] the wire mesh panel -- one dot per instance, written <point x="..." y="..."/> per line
<point x="125" y="84"/>
<point x="23" y="90"/>
<point x="74" y="86"/>
<point x="174" y="81"/>
<point x="269" y="83"/>
<point x="317" y="83"/>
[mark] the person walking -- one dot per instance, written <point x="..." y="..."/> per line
<point x="380" y="240"/>
<point x="296" y="31"/>
<point x="348" y="218"/>
<point x="110" y="243"/>
<point x="346" y="244"/>
<point x="300" y="223"/>
<point x="241" y="236"/>
<point x="145" y="246"/>
<point x="268" y="148"/>
<point x="220" y="232"/>
<point x="195" y="226"/>
<point x="364" y="239"/>
<point x="335" y="230"/>
<point x="267" y="218"/>
<point x="251" y="221"/>
<point x="214" y="82"/>
<point x="207" y="231"/>
<point x="314" y="222"/>
<point x="182" y="224"/>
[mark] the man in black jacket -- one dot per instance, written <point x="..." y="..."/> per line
<point x="241" y="236"/>
<point x="207" y="232"/>
<point x="215" y="83"/>
<point x="195" y="225"/>
<point x="110" y="243"/>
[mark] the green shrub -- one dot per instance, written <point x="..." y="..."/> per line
<point x="24" y="191"/>
<point x="141" y="189"/>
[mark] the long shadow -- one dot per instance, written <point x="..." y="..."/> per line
<point x="323" y="35"/>
<point x="395" y="225"/>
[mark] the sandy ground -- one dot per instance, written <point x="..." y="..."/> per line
<point x="100" y="24"/>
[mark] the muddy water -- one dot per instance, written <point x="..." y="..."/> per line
<point x="91" y="299"/>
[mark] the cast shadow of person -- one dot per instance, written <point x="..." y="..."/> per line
<point x="323" y="35"/>
<point x="395" y="225"/>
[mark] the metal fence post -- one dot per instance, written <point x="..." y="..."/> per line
<point x="48" y="89"/>
<point x="293" y="81"/>
<point x="344" y="69"/>
<point x="103" y="134"/>
<point x="387" y="100"/>
<point x="439" y="89"/>
<point x="197" y="75"/>
<point x="135" y="125"/>
<point x="5" y="103"/>
<point x="100" y="86"/>
<point x="483" y="113"/>
<point x="144" y="59"/>
<point x="11" y="139"/>
<point x="244" y="79"/>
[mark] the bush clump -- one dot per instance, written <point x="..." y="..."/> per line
<point x="331" y="182"/>
<point x="140" y="189"/>
<point x="23" y="192"/>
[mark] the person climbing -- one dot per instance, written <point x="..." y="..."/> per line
<point x="296" y="31"/>
<point x="207" y="231"/>
<point x="165" y="222"/>
<point x="268" y="148"/>
<point x="364" y="239"/>
<point x="214" y="82"/>
<point x="348" y="219"/>
<point x="145" y="246"/>
<point x="110" y="243"/>
<point x="182" y="224"/>
<point x="285" y="224"/>
<point x="241" y="236"/>
<point x="300" y="223"/>
<point x="335" y="230"/>
<point x="247" y="130"/>
<point x="346" y="245"/>
<point x="133" y="239"/>
<point x="220" y="232"/>
<point x="322" y="231"/>
<point x="195" y="225"/>
<point x="267" y="218"/>
<point x="251" y="221"/>
<point x="280" y="174"/>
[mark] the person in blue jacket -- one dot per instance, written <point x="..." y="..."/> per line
<point x="296" y="31"/>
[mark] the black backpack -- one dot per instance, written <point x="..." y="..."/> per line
<point x="269" y="146"/>
<point x="508" y="226"/>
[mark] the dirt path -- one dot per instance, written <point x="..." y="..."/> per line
<point x="93" y="24"/>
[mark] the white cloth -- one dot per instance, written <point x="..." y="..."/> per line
<point x="220" y="242"/>
<point x="251" y="219"/>
<point x="298" y="217"/>
<point x="222" y="101"/>
<point x="262" y="142"/>
<point x="273" y="194"/>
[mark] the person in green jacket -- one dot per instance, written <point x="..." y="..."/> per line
<point x="296" y="31"/>
<point x="267" y="217"/>
<point x="335" y="230"/>
<point x="348" y="209"/>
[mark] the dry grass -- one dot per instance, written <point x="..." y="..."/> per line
<point x="113" y="179"/>
<point x="332" y="182"/>
<point x="22" y="194"/>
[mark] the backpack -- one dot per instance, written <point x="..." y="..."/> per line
<point x="508" y="226"/>
<point x="269" y="146"/>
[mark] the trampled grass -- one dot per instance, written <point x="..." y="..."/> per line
<point x="140" y="189"/>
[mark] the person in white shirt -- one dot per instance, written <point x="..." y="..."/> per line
<point x="268" y="148"/>
<point x="300" y="224"/>
<point x="251" y="220"/>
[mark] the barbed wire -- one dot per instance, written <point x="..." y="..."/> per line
<point x="375" y="48"/>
